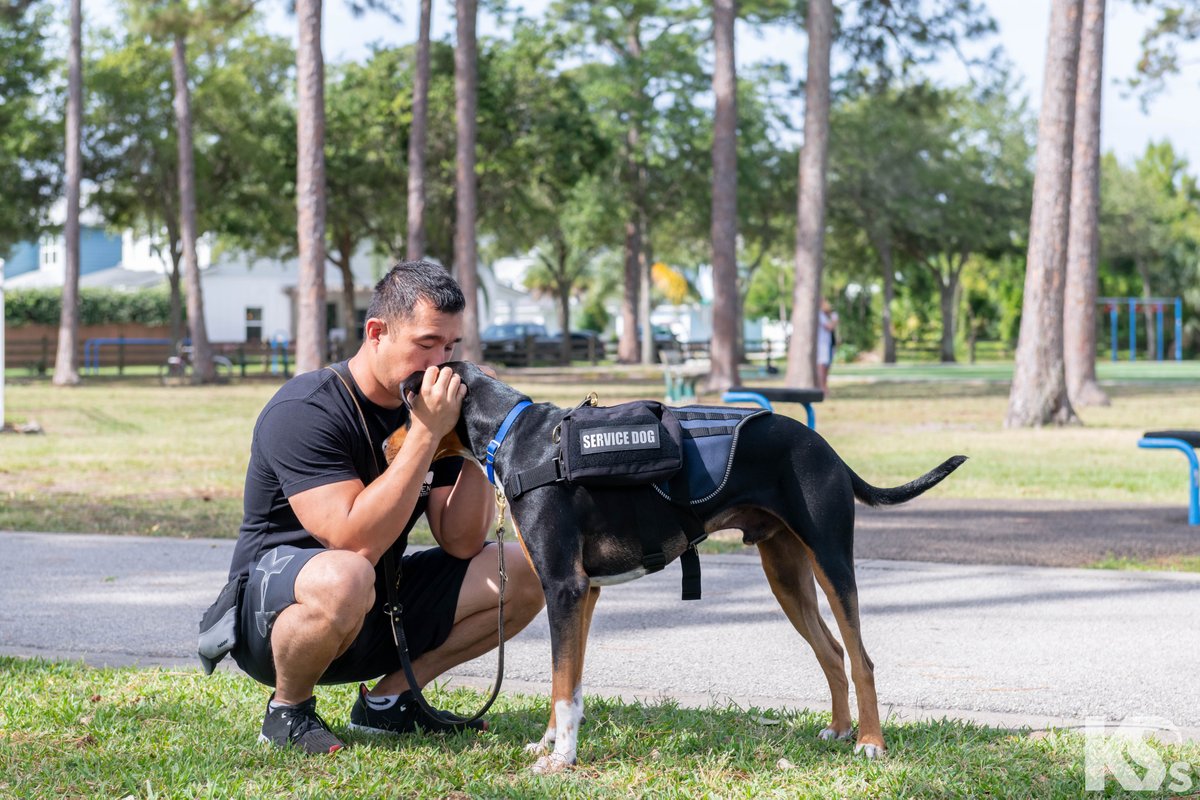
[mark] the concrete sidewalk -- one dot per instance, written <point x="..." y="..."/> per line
<point x="1002" y="645"/>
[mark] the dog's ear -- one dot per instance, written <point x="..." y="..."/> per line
<point x="411" y="386"/>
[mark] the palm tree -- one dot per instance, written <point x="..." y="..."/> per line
<point x="724" y="350"/>
<point x="1039" y="388"/>
<point x="66" y="367"/>
<point x="310" y="188"/>
<point x="1083" y="240"/>
<point x="203" y="369"/>
<point x="415" y="245"/>
<point x="466" y="80"/>
<point x="810" y="221"/>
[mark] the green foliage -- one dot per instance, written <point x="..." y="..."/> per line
<point x="96" y="307"/>
<point x="932" y="179"/>
<point x="245" y="151"/>
<point x="1150" y="232"/>
<point x="1177" y="26"/>
<point x="30" y="132"/>
<point x="365" y="128"/>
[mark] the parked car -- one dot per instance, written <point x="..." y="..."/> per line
<point x="508" y="343"/>
<point x="664" y="340"/>
<point x="585" y="345"/>
<point x="505" y="343"/>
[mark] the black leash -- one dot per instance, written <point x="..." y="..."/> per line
<point x="392" y="575"/>
<point x="395" y="611"/>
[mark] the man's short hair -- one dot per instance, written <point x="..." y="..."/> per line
<point x="409" y="282"/>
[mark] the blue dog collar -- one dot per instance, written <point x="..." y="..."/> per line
<point x="494" y="445"/>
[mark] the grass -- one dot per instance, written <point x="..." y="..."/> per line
<point x="1165" y="564"/>
<point x="130" y="456"/>
<point x="69" y="731"/>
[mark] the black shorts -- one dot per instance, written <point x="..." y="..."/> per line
<point x="429" y="592"/>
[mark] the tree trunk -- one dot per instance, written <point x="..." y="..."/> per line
<point x="311" y="339"/>
<point x="645" y="293"/>
<point x="889" y="294"/>
<point x="349" y="312"/>
<point x="203" y="369"/>
<point x="175" y="280"/>
<point x="628" y="349"/>
<point x="1143" y="268"/>
<point x="415" y="244"/>
<point x="66" y="364"/>
<point x="723" y="351"/>
<point x="465" y="254"/>
<point x="627" y="345"/>
<point x="564" y="313"/>
<point x="1039" y="388"/>
<point x="810" y="211"/>
<point x="1083" y="239"/>
<point x="948" y="297"/>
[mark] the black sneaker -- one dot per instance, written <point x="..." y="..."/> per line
<point x="405" y="716"/>
<point x="299" y="726"/>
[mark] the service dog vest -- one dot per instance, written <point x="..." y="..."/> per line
<point x="685" y="454"/>
<point x="710" y="438"/>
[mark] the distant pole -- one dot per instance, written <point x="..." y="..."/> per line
<point x="1178" y="326"/>
<point x="1158" y="315"/>
<point x="1113" y="318"/>
<point x="1132" y="329"/>
<point x="3" y="359"/>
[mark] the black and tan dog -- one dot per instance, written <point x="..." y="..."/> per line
<point x="790" y="494"/>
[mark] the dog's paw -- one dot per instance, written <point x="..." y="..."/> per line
<point x="537" y="748"/>
<point x="829" y="734"/>
<point x="871" y="751"/>
<point x="551" y="764"/>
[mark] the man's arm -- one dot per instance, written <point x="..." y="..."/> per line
<point x="367" y="519"/>
<point x="459" y="515"/>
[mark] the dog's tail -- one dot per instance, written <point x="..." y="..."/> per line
<point x="874" y="496"/>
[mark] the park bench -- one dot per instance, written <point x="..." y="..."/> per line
<point x="1186" y="442"/>
<point x="680" y="377"/>
<point x="764" y="397"/>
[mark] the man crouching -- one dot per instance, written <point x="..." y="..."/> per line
<point x="318" y="523"/>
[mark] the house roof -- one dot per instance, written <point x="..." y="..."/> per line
<point x="112" y="278"/>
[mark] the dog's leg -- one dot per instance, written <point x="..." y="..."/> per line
<point x="546" y="743"/>
<point x="785" y="560"/>
<point x="836" y="577"/>
<point x="566" y="601"/>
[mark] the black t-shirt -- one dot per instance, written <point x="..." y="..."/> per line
<point x="309" y="435"/>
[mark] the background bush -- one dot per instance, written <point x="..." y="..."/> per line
<point x="96" y="307"/>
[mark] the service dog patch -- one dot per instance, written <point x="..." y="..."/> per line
<point x="619" y="439"/>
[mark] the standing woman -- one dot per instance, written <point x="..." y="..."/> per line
<point x="826" y="339"/>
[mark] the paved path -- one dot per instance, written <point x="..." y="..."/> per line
<point x="1048" y="533"/>
<point x="1001" y="645"/>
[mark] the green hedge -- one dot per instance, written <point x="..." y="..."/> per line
<point x="96" y="307"/>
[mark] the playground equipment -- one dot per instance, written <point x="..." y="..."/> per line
<point x="1114" y="306"/>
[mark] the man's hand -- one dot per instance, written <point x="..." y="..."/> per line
<point x="437" y="406"/>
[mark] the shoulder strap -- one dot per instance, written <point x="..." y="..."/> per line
<point x="342" y="370"/>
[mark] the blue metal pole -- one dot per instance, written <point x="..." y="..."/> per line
<point x="1112" y="318"/>
<point x="1132" y="329"/>
<point x="1179" y="329"/>
<point x="1159" y="317"/>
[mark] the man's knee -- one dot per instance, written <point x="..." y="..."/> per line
<point x="524" y="587"/>
<point x="338" y="584"/>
